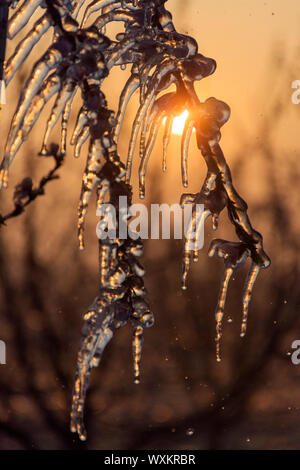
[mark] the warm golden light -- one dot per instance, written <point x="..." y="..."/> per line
<point x="179" y="123"/>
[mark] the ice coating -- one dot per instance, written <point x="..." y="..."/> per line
<point x="21" y="17"/>
<point x="79" y="58"/>
<point x="119" y="301"/>
<point x="64" y="97"/>
<point x="235" y="255"/>
<point x="24" y="48"/>
<point x="249" y="284"/>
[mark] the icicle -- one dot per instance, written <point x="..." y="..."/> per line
<point x="220" y="309"/>
<point x="251" y="278"/>
<point x="135" y="132"/>
<point x="166" y="141"/>
<point x="137" y="345"/>
<point x="89" y="181"/>
<point x="200" y="220"/>
<point x="235" y="254"/>
<point x="156" y="109"/>
<point x="64" y="124"/>
<point x="150" y="115"/>
<point x="129" y="89"/>
<point x="144" y="75"/>
<point x="187" y="259"/>
<point x="81" y="139"/>
<point x="24" y="48"/>
<point x="194" y="228"/>
<point x="81" y="123"/>
<point x="149" y="147"/>
<point x="49" y="61"/>
<point x="143" y="138"/>
<point x="141" y="318"/>
<point x="90" y="352"/>
<point x="51" y="87"/>
<point x="185" y="142"/>
<point x="64" y="96"/>
<point x="141" y="114"/>
<point x="22" y="17"/>
<point x="133" y="139"/>
<point x="164" y="103"/>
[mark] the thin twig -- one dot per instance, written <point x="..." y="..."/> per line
<point x="25" y="194"/>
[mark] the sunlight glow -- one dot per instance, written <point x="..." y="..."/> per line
<point x="179" y="123"/>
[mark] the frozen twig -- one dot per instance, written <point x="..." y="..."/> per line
<point x="25" y="193"/>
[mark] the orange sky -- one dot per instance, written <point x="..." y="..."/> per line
<point x="242" y="36"/>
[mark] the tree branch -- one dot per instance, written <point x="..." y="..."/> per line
<point x="25" y="194"/>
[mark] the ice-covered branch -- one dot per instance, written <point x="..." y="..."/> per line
<point x="25" y="193"/>
<point x="79" y="58"/>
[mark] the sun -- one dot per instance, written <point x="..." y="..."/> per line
<point x="179" y="123"/>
